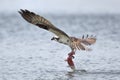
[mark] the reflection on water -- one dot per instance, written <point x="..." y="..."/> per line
<point x="110" y="72"/>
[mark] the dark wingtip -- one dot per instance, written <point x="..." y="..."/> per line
<point x="21" y="11"/>
<point x="26" y="10"/>
<point x="87" y="36"/>
<point x="83" y="37"/>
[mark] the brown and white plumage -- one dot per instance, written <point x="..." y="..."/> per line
<point x="74" y="43"/>
<point x="81" y="43"/>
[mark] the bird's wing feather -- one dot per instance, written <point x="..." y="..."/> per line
<point x="79" y="43"/>
<point x="76" y="44"/>
<point x="88" y="40"/>
<point x="42" y="23"/>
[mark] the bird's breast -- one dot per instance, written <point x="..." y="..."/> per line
<point x="64" y="41"/>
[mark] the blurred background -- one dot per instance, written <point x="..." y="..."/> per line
<point x="62" y="6"/>
<point x="27" y="52"/>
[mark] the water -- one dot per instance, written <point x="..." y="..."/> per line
<point x="27" y="53"/>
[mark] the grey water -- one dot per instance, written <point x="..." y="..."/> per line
<point x="27" y="53"/>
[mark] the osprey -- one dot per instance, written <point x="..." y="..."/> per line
<point x="73" y="42"/>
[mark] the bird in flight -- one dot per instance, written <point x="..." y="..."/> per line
<point x="61" y="37"/>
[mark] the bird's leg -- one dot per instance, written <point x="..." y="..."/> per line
<point x="70" y="61"/>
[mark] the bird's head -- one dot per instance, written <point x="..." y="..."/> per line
<point x="55" y="38"/>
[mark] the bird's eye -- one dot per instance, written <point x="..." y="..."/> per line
<point x="67" y="40"/>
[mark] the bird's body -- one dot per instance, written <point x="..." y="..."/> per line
<point x="73" y="42"/>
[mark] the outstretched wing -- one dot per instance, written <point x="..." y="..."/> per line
<point x="80" y="43"/>
<point x="42" y="23"/>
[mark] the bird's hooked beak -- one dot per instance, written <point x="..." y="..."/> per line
<point x="52" y="38"/>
